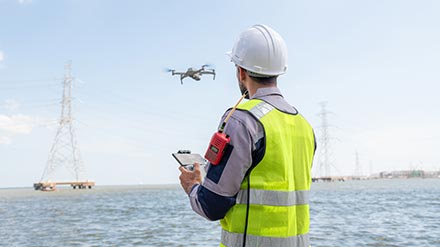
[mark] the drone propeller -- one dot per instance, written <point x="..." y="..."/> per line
<point x="208" y="65"/>
<point x="166" y="70"/>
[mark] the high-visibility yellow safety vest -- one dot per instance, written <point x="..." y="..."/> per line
<point x="279" y="185"/>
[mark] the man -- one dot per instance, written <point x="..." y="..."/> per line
<point x="260" y="188"/>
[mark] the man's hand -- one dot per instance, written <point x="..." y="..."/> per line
<point x="189" y="178"/>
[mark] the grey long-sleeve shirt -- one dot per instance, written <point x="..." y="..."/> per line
<point x="217" y="194"/>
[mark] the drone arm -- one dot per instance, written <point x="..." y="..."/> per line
<point x="209" y="72"/>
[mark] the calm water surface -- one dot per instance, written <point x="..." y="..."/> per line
<point x="357" y="213"/>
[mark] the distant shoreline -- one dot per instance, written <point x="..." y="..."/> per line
<point x="107" y="186"/>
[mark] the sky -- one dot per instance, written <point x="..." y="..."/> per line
<point x="374" y="63"/>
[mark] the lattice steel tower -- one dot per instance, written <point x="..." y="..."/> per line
<point x="64" y="151"/>
<point x="324" y="148"/>
<point x="357" y="166"/>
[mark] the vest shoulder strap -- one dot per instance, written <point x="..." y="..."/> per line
<point x="258" y="108"/>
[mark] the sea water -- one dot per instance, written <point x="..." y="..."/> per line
<point x="394" y="212"/>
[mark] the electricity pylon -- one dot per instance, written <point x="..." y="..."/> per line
<point x="64" y="151"/>
<point x="357" y="166"/>
<point x="324" y="148"/>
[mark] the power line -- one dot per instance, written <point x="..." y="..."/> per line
<point x="20" y="84"/>
<point x="15" y="81"/>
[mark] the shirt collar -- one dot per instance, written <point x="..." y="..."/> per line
<point x="266" y="91"/>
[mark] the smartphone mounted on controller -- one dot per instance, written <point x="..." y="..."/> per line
<point x="187" y="159"/>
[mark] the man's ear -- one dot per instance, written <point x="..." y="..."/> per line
<point x="242" y="74"/>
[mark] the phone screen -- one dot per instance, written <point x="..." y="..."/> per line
<point x="189" y="159"/>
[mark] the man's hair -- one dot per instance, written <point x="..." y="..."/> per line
<point x="264" y="80"/>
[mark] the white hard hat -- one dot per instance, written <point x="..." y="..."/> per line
<point x="260" y="50"/>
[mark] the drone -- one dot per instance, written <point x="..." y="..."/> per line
<point x="194" y="73"/>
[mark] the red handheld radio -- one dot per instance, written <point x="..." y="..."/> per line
<point x="220" y="140"/>
<point x="217" y="147"/>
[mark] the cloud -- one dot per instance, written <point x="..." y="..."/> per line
<point x="17" y="124"/>
<point x="5" y="140"/>
<point x="25" y="1"/>
<point x="10" y="105"/>
<point x="2" y="56"/>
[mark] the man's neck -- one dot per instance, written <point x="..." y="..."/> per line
<point x="253" y="87"/>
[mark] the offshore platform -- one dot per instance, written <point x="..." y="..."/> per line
<point x="64" y="152"/>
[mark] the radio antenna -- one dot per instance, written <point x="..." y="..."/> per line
<point x="222" y="127"/>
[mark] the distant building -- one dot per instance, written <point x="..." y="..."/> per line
<point x="410" y="174"/>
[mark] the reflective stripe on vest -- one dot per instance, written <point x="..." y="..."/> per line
<point x="274" y="198"/>
<point x="231" y="239"/>
<point x="261" y="109"/>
